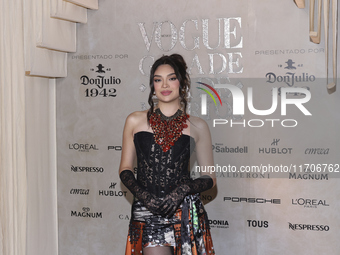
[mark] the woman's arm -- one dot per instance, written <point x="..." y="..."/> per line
<point x="200" y="131"/>
<point x="128" y="148"/>
<point x="204" y="152"/>
<point x="126" y="174"/>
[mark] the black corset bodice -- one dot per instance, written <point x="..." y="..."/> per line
<point x="160" y="172"/>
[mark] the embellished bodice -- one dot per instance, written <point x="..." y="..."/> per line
<point x="160" y="172"/>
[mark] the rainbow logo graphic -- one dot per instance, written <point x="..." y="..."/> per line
<point x="204" y="97"/>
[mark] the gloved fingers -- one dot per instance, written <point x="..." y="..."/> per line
<point x="166" y="207"/>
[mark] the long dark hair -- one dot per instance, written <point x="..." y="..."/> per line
<point x="177" y="62"/>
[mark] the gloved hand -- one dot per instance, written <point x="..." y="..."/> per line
<point x="167" y="205"/>
<point x="201" y="184"/>
<point x="149" y="200"/>
<point x="172" y="200"/>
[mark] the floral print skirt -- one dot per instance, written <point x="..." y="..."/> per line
<point x="187" y="231"/>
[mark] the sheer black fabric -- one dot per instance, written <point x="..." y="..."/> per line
<point x="166" y="213"/>
<point x="166" y="174"/>
<point x="161" y="172"/>
<point x="201" y="184"/>
<point x="148" y="199"/>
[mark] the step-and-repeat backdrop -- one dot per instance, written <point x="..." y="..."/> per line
<point x="274" y="127"/>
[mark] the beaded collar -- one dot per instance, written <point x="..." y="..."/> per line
<point x="167" y="130"/>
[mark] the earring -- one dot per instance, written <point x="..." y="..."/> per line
<point x="184" y="92"/>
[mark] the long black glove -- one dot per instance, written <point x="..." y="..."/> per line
<point x="201" y="184"/>
<point x="149" y="200"/>
<point x="172" y="200"/>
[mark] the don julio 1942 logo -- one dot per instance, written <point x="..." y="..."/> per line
<point x="101" y="84"/>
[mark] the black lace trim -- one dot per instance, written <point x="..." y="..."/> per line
<point x="166" y="118"/>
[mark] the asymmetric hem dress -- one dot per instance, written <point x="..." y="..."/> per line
<point x="160" y="172"/>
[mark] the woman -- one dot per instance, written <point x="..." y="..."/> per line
<point x="167" y="214"/>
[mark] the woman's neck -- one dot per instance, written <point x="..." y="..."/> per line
<point x="169" y="109"/>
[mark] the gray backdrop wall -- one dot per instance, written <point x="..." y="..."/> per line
<point x="261" y="45"/>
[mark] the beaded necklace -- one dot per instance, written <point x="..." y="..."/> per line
<point x="167" y="130"/>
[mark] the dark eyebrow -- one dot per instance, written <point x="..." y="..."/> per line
<point x="167" y="75"/>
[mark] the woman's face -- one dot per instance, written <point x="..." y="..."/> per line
<point x="166" y="84"/>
